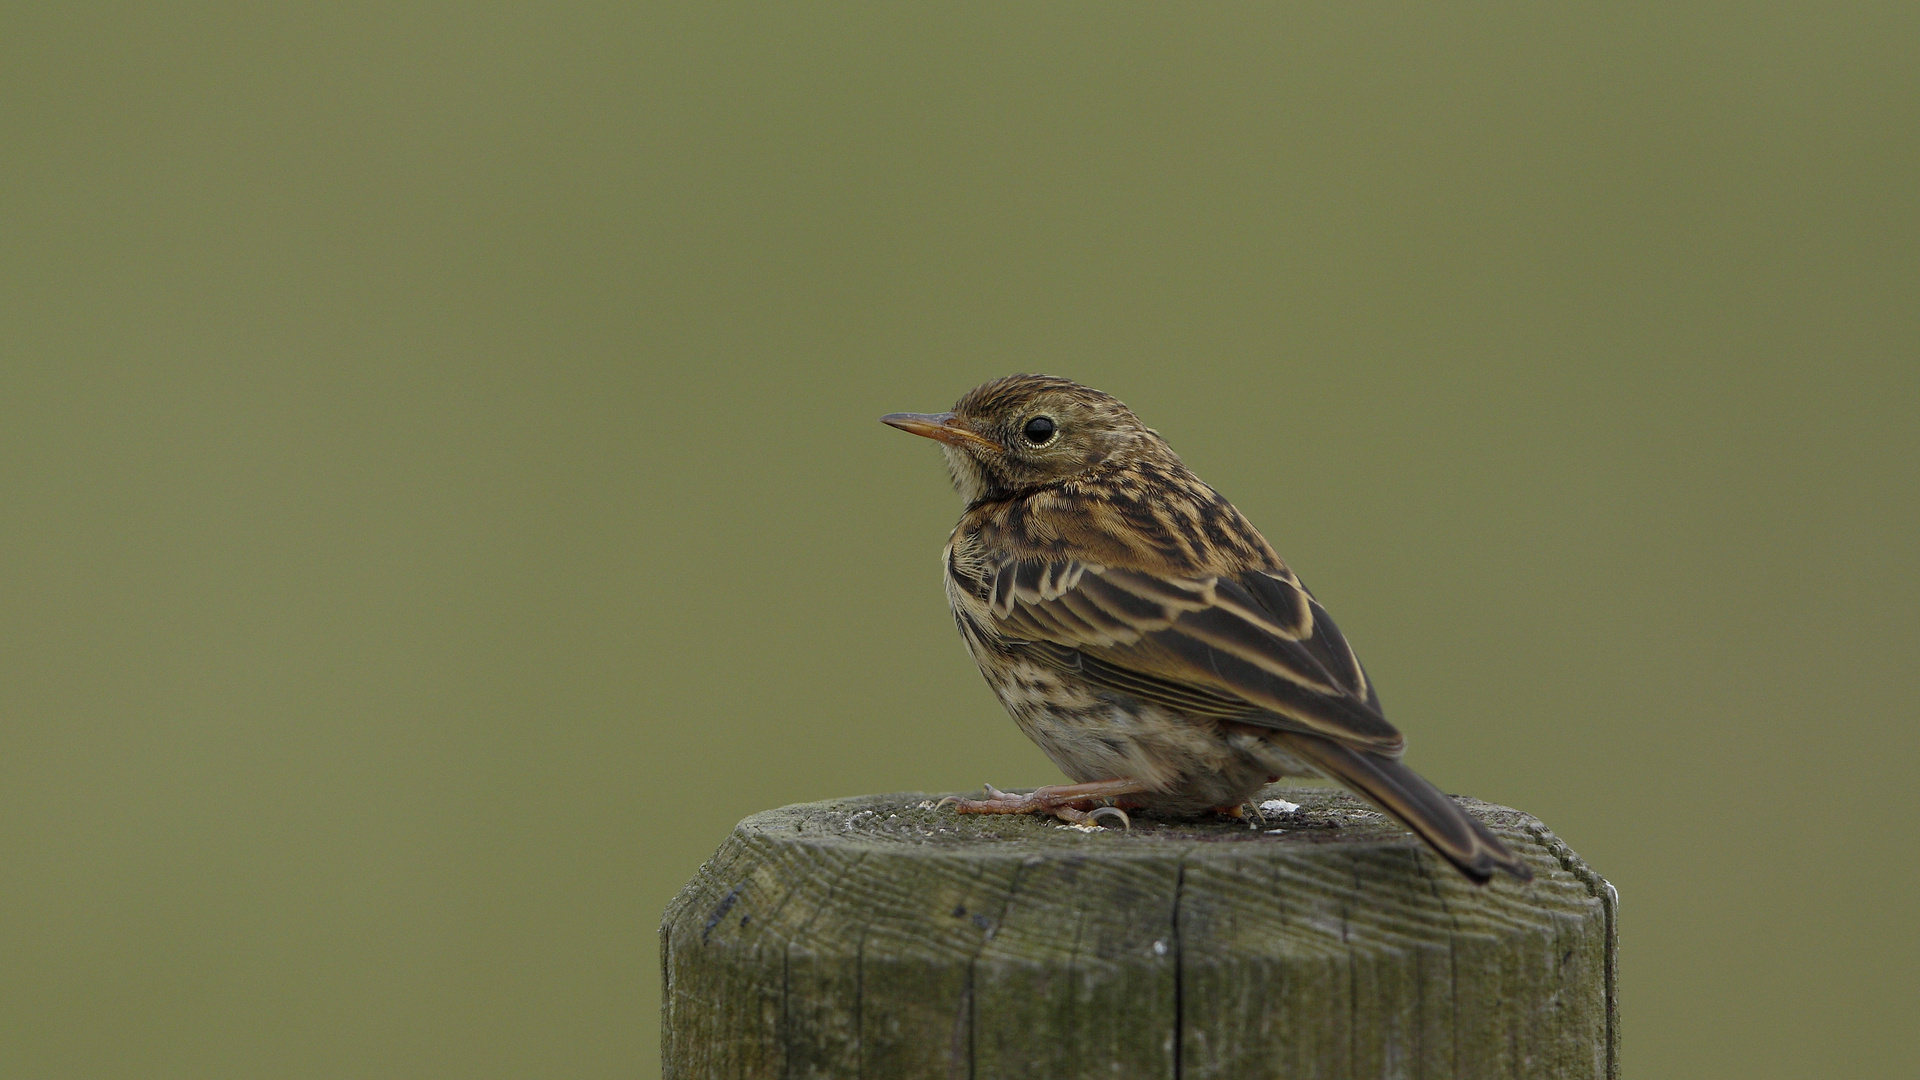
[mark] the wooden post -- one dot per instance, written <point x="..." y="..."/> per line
<point x="880" y="937"/>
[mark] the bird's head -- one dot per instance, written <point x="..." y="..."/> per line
<point x="1023" y="432"/>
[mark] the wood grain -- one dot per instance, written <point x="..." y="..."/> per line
<point x="880" y="937"/>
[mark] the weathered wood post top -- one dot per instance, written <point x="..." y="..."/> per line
<point x="882" y="937"/>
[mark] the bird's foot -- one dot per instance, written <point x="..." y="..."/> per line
<point x="1248" y="812"/>
<point x="1069" y="802"/>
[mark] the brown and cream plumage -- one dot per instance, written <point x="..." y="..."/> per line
<point x="1143" y="632"/>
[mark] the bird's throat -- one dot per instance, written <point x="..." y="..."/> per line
<point x="970" y="478"/>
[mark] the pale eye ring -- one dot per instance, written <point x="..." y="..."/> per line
<point x="1039" y="430"/>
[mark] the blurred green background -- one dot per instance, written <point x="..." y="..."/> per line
<point x="440" y="489"/>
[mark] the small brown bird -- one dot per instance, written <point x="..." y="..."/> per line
<point x="1144" y="634"/>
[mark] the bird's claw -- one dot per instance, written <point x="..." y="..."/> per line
<point x="1089" y="817"/>
<point x="1057" y="801"/>
<point x="975" y="806"/>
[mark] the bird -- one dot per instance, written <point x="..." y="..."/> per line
<point x="1145" y="635"/>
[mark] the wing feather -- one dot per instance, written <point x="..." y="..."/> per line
<point x="1110" y="630"/>
<point x="1330" y="647"/>
<point x="1254" y="648"/>
<point x="1189" y="699"/>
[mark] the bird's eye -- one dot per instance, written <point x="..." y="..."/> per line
<point x="1039" y="430"/>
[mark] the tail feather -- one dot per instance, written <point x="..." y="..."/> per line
<point x="1457" y="836"/>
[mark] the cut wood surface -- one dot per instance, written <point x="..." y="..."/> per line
<point x="882" y="937"/>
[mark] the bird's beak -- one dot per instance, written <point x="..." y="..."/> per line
<point x="943" y="427"/>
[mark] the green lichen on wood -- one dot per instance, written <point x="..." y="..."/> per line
<point x="881" y="937"/>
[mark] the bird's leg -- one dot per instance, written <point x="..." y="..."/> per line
<point x="1068" y="802"/>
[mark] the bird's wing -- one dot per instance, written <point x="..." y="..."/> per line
<point x="1254" y="647"/>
